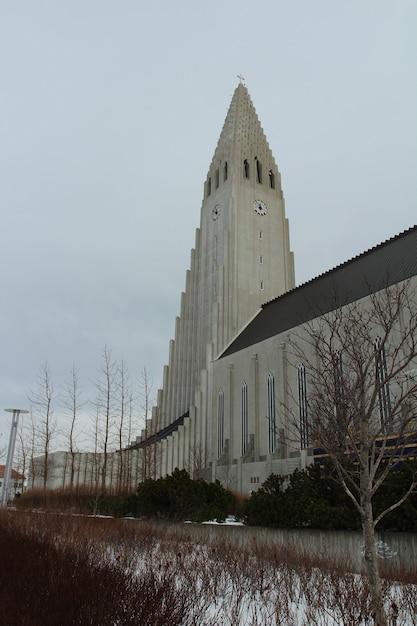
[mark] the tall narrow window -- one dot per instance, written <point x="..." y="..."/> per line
<point x="245" y="435"/>
<point x="261" y="259"/>
<point x="258" y="171"/>
<point x="261" y="285"/>
<point x="381" y="377"/>
<point x="271" y="413"/>
<point x="261" y="234"/>
<point x="245" y="169"/>
<point x="338" y="382"/>
<point x="216" y="178"/>
<point x="302" y="405"/>
<point x="225" y="171"/>
<point x="339" y="398"/>
<point x="220" y="423"/>
<point x="209" y="186"/>
<point x="271" y="179"/>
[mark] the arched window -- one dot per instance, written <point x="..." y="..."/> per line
<point x="302" y="405"/>
<point x="245" y="169"/>
<point x="271" y="179"/>
<point x="245" y="435"/>
<point x="271" y="413"/>
<point x="384" y="397"/>
<point x="220" y="423"/>
<point x="258" y="171"/>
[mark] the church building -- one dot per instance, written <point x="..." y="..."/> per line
<point x="230" y="385"/>
<point x="233" y="403"/>
<point x="241" y="259"/>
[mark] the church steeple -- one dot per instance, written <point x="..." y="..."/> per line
<point x="244" y="232"/>
<point x="241" y="259"/>
<point x="242" y="146"/>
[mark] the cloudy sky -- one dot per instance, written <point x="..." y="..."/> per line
<point x="109" y="116"/>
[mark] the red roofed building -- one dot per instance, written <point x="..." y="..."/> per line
<point x="16" y="482"/>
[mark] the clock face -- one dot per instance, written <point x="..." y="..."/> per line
<point x="215" y="214"/>
<point x="260" y="207"/>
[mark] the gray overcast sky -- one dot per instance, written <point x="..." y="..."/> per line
<point x="109" y="116"/>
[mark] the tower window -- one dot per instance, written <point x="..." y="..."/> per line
<point x="262" y="285"/>
<point x="217" y="178"/>
<point x="261" y="259"/>
<point x="209" y="186"/>
<point x="261" y="234"/>
<point x="225" y="171"/>
<point x="258" y="171"/>
<point x="271" y="179"/>
<point x="245" y="169"/>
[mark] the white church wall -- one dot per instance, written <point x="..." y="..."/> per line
<point x="253" y="365"/>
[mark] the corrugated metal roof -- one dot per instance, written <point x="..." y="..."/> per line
<point x="386" y="264"/>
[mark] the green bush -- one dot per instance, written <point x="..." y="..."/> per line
<point x="178" y="497"/>
<point x="313" y="498"/>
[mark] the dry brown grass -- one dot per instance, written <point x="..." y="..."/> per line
<point x="61" y="569"/>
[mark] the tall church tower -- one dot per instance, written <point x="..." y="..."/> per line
<point x="241" y="258"/>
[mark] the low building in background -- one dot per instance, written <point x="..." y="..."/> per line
<point x="16" y="483"/>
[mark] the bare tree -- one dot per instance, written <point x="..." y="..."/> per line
<point x="42" y="403"/>
<point x="151" y="451"/>
<point x="104" y="418"/>
<point x="72" y="403"/>
<point x="197" y="461"/>
<point x="131" y="455"/>
<point x="124" y="425"/>
<point x="23" y="448"/>
<point x="360" y="362"/>
<point x="32" y="452"/>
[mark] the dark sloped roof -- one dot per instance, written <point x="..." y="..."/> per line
<point x="386" y="264"/>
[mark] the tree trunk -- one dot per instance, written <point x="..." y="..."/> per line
<point x="371" y="565"/>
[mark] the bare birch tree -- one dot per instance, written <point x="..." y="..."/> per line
<point x="124" y="425"/>
<point x="23" y="448"/>
<point x="197" y="461"/>
<point x="151" y="451"/>
<point x="360" y="362"/>
<point x="106" y="387"/>
<point x="45" y="427"/>
<point x="72" y="404"/>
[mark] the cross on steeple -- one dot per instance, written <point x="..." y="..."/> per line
<point x="241" y="78"/>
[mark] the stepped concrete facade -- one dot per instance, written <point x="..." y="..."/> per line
<point x="241" y="259"/>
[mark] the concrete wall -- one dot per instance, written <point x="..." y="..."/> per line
<point x="343" y="545"/>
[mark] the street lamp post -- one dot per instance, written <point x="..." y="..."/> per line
<point x="10" y="453"/>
